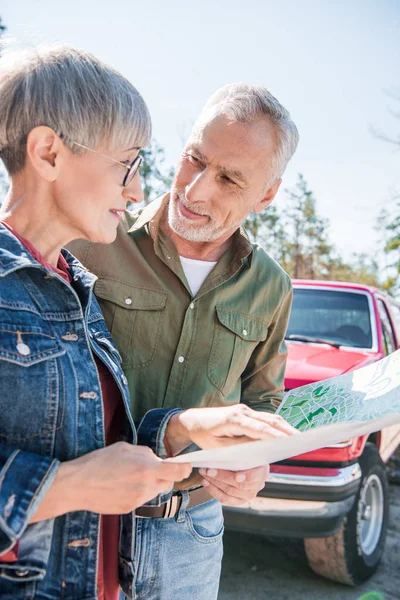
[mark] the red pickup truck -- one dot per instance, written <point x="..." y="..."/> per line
<point x="336" y="498"/>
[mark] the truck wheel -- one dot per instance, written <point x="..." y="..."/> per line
<point x="353" y="553"/>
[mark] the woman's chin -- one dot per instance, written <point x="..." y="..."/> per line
<point x="103" y="237"/>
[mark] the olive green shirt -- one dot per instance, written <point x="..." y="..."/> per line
<point x="225" y="345"/>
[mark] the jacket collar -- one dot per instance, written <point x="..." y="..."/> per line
<point x="14" y="256"/>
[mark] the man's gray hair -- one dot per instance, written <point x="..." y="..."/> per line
<point x="78" y="96"/>
<point x="244" y="103"/>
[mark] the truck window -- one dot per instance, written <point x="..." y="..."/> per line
<point x="338" y="316"/>
<point x="387" y="331"/>
<point x="395" y="313"/>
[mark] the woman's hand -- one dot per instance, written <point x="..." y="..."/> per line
<point x="223" y="426"/>
<point x="112" y="480"/>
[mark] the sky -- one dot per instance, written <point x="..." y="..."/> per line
<point x="332" y="64"/>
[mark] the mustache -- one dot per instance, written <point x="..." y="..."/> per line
<point x="192" y="207"/>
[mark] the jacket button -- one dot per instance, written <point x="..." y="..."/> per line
<point x="244" y="331"/>
<point x="124" y="379"/>
<point x="23" y="349"/>
<point x="128" y="301"/>
<point x="20" y="573"/>
<point x="181" y="359"/>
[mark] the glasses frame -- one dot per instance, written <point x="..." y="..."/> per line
<point x="132" y="168"/>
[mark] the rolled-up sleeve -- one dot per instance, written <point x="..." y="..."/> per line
<point x="151" y="430"/>
<point x="25" y="479"/>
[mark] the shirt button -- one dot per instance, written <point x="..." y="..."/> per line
<point x="244" y="331"/>
<point x="181" y="359"/>
<point x="128" y="301"/>
<point x="124" y="379"/>
<point x="192" y="305"/>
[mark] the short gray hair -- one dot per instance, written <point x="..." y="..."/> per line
<point x="78" y="96"/>
<point x="244" y="103"/>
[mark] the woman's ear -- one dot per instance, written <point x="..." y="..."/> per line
<point x="267" y="198"/>
<point x="43" y="147"/>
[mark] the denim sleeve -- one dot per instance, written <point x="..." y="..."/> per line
<point x="25" y="479"/>
<point x="151" y="432"/>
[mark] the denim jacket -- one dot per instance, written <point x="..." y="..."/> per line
<point x="51" y="411"/>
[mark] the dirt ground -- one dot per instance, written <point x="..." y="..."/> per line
<point x="257" y="568"/>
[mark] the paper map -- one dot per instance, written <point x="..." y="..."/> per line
<point x="357" y="396"/>
<point x="326" y="413"/>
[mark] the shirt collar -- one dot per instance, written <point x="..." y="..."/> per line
<point x="152" y="214"/>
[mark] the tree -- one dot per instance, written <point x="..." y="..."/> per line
<point x="267" y="228"/>
<point x="156" y="179"/>
<point x="392" y="138"/>
<point x="306" y="248"/>
<point x="389" y="225"/>
<point x="298" y="238"/>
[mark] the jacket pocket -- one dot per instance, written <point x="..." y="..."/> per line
<point x="235" y="337"/>
<point x="31" y="403"/>
<point x="134" y="317"/>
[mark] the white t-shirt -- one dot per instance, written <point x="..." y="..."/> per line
<point x="196" y="271"/>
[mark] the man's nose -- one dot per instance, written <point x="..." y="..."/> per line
<point x="133" y="192"/>
<point x="200" y="188"/>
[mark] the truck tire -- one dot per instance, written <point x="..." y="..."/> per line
<point x="353" y="553"/>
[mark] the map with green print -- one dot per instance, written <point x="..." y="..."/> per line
<point x="326" y="413"/>
<point x="362" y="395"/>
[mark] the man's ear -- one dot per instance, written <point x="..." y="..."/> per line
<point x="267" y="198"/>
<point x="43" y="147"/>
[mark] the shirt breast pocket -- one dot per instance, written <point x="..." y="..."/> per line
<point x="236" y="335"/>
<point x="32" y="400"/>
<point x="135" y="317"/>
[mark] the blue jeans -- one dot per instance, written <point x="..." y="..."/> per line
<point x="180" y="558"/>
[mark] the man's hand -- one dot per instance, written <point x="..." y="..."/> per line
<point x="223" y="426"/>
<point x="113" y="480"/>
<point x="234" y="488"/>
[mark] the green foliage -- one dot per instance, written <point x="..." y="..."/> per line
<point x="389" y="225"/>
<point x="156" y="179"/>
<point x="298" y="238"/>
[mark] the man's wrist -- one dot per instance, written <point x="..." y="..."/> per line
<point x="177" y="434"/>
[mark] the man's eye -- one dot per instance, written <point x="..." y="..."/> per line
<point x="228" y="180"/>
<point x="193" y="159"/>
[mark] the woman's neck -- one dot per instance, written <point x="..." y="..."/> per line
<point x="33" y="218"/>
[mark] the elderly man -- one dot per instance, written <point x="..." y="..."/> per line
<point x="199" y="315"/>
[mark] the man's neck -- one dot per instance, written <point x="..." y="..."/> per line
<point x="207" y="251"/>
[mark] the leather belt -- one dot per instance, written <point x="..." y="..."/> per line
<point x="170" y="508"/>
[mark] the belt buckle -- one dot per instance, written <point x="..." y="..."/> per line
<point x="171" y="507"/>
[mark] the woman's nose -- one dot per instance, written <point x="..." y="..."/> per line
<point x="133" y="192"/>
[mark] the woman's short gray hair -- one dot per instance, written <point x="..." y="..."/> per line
<point x="244" y="103"/>
<point x="78" y="96"/>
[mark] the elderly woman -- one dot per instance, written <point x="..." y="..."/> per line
<point x="70" y="133"/>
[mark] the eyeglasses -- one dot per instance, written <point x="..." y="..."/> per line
<point x="132" y="168"/>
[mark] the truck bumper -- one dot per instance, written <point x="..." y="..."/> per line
<point x="311" y="504"/>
